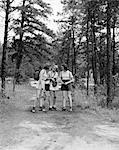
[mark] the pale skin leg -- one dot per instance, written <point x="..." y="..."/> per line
<point x="38" y="94"/>
<point x="69" y="94"/>
<point x="42" y="96"/>
<point x="37" y="100"/>
<point x="38" y="91"/>
<point x="54" y="99"/>
<point x="64" y="94"/>
<point x="49" y="98"/>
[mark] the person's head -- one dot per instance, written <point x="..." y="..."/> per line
<point x="39" y="68"/>
<point x="55" y="68"/>
<point x="64" y="67"/>
<point x="46" y="67"/>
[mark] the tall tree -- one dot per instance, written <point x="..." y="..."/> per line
<point x="94" y="47"/>
<point x="20" y="45"/>
<point x="72" y="17"/>
<point x="30" y="27"/>
<point x="87" y="41"/>
<point x="109" y="55"/>
<point x="3" y="64"/>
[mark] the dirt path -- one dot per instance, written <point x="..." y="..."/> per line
<point x="79" y="130"/>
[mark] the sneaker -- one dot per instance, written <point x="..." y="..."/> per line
<point x="33" y="110"/>
<point x="40" y="108"/>
<point x="43" y="110"/>
<point x="63" y="109"/>
<point x="70" y="109"/>
<point x="50" y="108"/>
<point x="54" y="108"/>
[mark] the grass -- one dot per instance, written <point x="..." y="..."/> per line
<point x="25" y="93"/>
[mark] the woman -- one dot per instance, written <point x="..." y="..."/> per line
<point x="67" y="78"/>
<point x="44" y="84"/>
<point x="36" y="78"/>
<point x="53" y="87"/>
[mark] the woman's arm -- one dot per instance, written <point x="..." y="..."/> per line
<point x="59" y="79"/>
<point x="71" y="79"/>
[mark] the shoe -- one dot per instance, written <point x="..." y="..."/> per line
<point x="70" y="109"/>
<point x="40" y="108"/>
<point x="33" y="110"/>
<point x="43" y="110"/>
<point x="50" y="108"/>
<point x="54" y="108"/>
<point x="63" y="109"/>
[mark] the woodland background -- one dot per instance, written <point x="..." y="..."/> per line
<point x="87" y="41"/>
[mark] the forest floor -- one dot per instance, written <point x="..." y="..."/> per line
<point x="83" y="129"/>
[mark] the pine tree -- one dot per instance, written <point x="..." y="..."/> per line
<point x="3" y="63"/>
<point x="30" y="26"/>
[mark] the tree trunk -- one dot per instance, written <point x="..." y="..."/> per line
<point x="109" y="57"/>
<point x="68" y="49"/>
<point x="73" y="48"/>
<point x="3" y="64"/>
<point x="113" y="45"/>
<point x="94" y="54"/>
<point x="20" y="49"/>
<point x="87" y="40"/>
<point x="101" y="61"/>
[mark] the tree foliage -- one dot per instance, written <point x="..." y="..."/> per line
<point x="94" y="41"/>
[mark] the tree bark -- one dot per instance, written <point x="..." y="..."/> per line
<point x="74" y="57"/>
<point x="74" y="50"/>
<point x="68" y="49"/>
<point x="20" y="48"/>
<point x="109" y="57"/>
<point x="87" y="41"/>
<point x="113" y="44"/>
<point x="3" y="64"/>
<point x="94" y="54"/>
<point x="101" y="56"/>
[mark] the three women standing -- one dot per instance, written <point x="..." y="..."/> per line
<point x="49" y="83"/>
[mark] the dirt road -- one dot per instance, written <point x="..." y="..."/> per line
<point x="55" y="130"/>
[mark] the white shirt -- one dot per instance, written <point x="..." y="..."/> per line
<point x="66" y="75"/>
<point x="54" y="75"/>
<point x="42" y="77"/>
<point x="43" y="74"/>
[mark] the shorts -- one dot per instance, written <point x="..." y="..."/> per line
<point x="65" y="87"/>
<point x="47" y="87"/>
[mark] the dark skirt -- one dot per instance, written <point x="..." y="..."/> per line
<point x="65" y="87"/>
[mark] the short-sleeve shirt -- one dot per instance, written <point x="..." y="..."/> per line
<point x="53" y="74"/>
<point x="66" y="75"/>
<point x="43" y="74"/>
<point x="43" y="78"/>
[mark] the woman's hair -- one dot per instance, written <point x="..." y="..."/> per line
<point x="55" y="67"/>
<point x="46" y="67"/>
<point x="65" y="67"/>
<point x="39" y="67"/>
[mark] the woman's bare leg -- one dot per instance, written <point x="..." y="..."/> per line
<point x="49" y="96"/>
<point x="38" y="91"/>
<point x="54" y="99"/>
<point x="64" y="99"/>
<point x="70" y="99"/>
